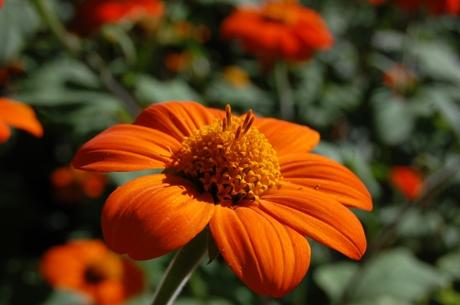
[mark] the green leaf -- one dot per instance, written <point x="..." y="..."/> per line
<point x="18" y="21"/>
<point x="393" y="118"/>
<point x="150" y="89"/>
<point x="67" y="297"/>
<point x="249" y="96"/>
<point x="334" y="278"/>
<point x="446" y="106"/>
<point x="395" y="275"/>
<point x="450" y="264"/>
<point x="437" y="60"/>
<point x="399" y="274"/>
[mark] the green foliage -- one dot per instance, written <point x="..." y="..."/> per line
<point x="366" y="122"/>
<point x="396" y="275"/>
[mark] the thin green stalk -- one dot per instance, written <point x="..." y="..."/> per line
<point x="71" y="43"/>
<point x="93" y="61"/>
<point x="180" y="269"/>
<point x="283" y="88"/>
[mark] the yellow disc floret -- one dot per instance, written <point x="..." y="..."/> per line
<point x="230" y="158"/>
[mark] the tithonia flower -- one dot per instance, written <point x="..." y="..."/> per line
<point x="434" y="6"/>
<point x="90" y="268"/>
<point x="252" y="180"/>
<point x="407" y="180"/>
<point x="178" y="61"/>
<point x="278" y="30"/>
<point x="71" y="184"/>
<point x="91" y="15"/>
<point x="399" y="78"/>
<point x="236" y="76"/>
<point x="19" y="115"/>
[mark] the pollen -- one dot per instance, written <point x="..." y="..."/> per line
<point x="229" y="158"/>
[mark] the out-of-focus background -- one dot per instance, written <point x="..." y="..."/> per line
<point x="385" y="98"/>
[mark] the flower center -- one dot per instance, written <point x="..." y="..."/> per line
<point x="108" y="267"/>
<point x="229" y="158"/>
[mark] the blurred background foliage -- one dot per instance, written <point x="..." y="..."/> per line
<point x="387" y="94"/>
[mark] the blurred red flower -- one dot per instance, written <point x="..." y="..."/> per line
<point x="407" y="180"/>
<point x="72" y="185"/>
<point x="19" y="115"/>
<point x="278" y="30"/>
<point x="89" y="267"/>
<point x="399" y="78"/>
<point x="438" y="7"/>
<point x="236" y="76"/>
<point x="91" y="15"/>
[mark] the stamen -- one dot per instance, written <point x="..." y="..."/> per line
<point x="238" y="133"/>
<point x="248" y="116"/>
<point x="230" y="159"/>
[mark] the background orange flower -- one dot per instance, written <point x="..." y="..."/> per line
<point x="92" y="14"/>
<point x="407" y="180"/>
<point x="278" y="30"/>
<point x="88" y="267"/>
<point x="19" y="115"/>
<point x="72" y="185"/>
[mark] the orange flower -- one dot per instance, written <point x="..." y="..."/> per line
<point x="91" y="15"/>
<point x="178" y="61"/>
<point x="444" y="6"/>
<point x="434" y="6"/>
<point x="89" y="267"/>
<point x="236" y="76"/>
<point x="399" y="78"/>
<point x="407" y="180"/>
<point x="251" y="179"/>
<point x="278" y="30"/>
<point x="71" y="184"/>
<point x="19" y="115"/>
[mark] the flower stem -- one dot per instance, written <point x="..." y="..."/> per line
<point x="93" y="61"/>
<point x="180" y="269"/>
<point x="283" y="88"/>
<point x="71" y="43"/>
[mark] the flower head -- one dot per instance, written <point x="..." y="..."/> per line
<point x="91" y="15"/>
<point x="88" y="267"/>
<point x="19" y="115"/>
<point x="399" y="78"/>
<point x="72" y="185"/>
<point x="407" y="180"/>
<point x="252" y="180"/>
<point x="278" y="30"/>
<point x="236" y="76"/>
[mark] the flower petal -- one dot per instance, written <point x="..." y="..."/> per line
<point x="318" y="216"/>
<point x="326" y="176"/>
<point x="20" y="115"/>
<point x="126" y="147"/>
<point x="153" y="215"/>
<point x="287" y="137"/>
<point x="268" y="257"/>
<point x="5" y="133"/>
<point x="177" y="119"/>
